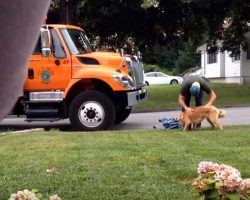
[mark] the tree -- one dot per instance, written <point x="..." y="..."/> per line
<point x="168" y="32"/>
<point x="116" y="22"/>
<point x="63" y="11"/>
<point x="188" y="57"/>
<point x="206" y="21"/>
<point x="224" y="20"/>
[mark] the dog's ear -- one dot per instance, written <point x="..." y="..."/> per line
<point x="222" y="113"/>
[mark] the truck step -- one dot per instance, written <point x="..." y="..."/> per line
<point x="42" y="119"/>
<point x="46" y="113"/>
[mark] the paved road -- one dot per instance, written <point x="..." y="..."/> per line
<point x="234" y="116"/>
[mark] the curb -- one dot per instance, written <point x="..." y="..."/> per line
<point x="22" y="131"/>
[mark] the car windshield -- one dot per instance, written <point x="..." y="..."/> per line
<point x="77" y="41"/>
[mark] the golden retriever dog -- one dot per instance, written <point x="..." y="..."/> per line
<point x="212" y="114"/>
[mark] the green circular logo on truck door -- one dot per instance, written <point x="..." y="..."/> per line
<point x="46" y="75"/>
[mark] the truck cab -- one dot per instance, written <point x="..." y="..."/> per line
<point x="66" y="78"/>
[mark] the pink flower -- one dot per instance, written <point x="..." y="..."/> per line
<point x="206" y="167"/>
<point x="244" y="186"/>
<point x="230" y="176"/>
<point x="23" y="195"/>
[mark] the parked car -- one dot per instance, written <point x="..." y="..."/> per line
<point x="159" y="78"/>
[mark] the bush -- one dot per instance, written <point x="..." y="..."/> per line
<point x="156" y="68"/>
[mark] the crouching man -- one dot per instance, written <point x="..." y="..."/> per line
<point x="195" y="85"/>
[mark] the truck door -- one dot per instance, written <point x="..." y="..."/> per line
<point x="51" y="72"/>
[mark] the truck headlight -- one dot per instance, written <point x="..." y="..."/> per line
<point x="125" y="81"/>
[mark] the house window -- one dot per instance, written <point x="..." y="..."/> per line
<point x="211" y="58"/>
<point x="236" y="57"/>
<point x="248" y="53"/>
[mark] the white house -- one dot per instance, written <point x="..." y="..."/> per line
<point x="220" y="67"/>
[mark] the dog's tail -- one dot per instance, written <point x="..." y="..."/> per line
<point x="222" y="113"/>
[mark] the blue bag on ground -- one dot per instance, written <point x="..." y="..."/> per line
<point x="170" y="123"/>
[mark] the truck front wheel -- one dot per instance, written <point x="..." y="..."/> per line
<point x="91" y="111"/>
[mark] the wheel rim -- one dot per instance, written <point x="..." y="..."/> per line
<point x="91" y="114"/>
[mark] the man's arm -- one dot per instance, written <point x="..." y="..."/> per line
<point x="181" y="100"/>
<point x="211" y="99"/>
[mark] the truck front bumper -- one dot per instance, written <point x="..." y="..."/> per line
<point x="131" y="98"/>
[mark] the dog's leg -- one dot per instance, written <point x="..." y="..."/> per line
<point x="194" y="126"/>
<point x="198" y="125"/>
<point x="217" y="124"/>
<point x="187" y="124"/>
<point x="221" y="127"/>
<point x="211" y="123"/>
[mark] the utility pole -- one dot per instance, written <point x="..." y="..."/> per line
<point x="67" y="11"/>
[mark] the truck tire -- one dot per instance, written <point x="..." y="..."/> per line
<point x="122" y="114"/>
<point x="91" y="111"/>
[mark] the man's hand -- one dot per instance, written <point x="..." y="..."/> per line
<point x="208" y="105"/>
<point x="189" y="111"/>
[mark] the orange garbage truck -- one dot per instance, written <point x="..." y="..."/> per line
<point x="66" y="78"/>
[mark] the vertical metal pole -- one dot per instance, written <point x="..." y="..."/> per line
<point x="67" y="10"/>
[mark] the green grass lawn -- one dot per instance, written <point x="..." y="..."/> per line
<point x="166" y="96"/>
<point x="135" y="165"/>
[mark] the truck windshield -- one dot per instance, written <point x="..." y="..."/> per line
<point x="77" y="41"/>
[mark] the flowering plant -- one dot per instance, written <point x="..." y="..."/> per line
<point x="220" y="182"/>
<point x="30" y="195"/>
<point x="24" y="195"/>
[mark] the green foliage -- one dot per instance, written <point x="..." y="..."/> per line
<point x="227" y="22"/>
<point x="151" y="68"/>
<point x="149" y="3"/>
<point x="156" y="68"/>
<point x="233" y="196"/>
<point x="113" y="21"/>
<point x="176" y="56"/>
<point x="212" y="194"/>
<point x="162" y="55"/>
<point x="188" y="57"/>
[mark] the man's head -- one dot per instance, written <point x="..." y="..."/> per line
<point x="195" y="89"/>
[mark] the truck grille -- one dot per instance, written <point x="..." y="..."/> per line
<point x="137" y="72"/>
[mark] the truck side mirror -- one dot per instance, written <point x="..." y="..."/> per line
<point x="45" y="42"/>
